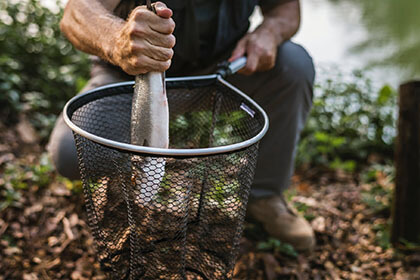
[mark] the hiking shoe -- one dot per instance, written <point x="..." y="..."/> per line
<point x="282" y="223"/>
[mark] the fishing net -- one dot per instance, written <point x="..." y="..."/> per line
<point x="177" y="215"/>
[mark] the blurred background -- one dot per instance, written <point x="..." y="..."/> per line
<point x="363" y="51"/>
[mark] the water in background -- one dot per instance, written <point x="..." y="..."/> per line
<point x="331" y="30"/>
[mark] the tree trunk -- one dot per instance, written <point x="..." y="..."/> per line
<point x="406" y="212"/>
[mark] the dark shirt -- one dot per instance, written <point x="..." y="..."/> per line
<point x="206" y="15"/>
<point x="205" y="29"/>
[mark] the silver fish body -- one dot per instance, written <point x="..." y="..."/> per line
<point x="149" y="127"/>
<point x="150" y="113"/>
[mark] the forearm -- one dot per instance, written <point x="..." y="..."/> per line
<point x="90" y="26"/>
<point x="282" y="20"/>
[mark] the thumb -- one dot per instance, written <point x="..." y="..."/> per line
<point x="240" y="50"/>
<point x="162" y="10"/>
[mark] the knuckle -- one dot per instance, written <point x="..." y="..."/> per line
<point x="139" y="13"/>
<point x="166" y="65"/>
<point x="130" y="47"/>
<point x="171" y="41"/>
<point x="170" y="53"/>
<point x="136" y="30"/>
<point x="259" y="49"/>
<point x="131" y="29"/>
<point x="140" y="29"/>
<point x="135" y="48"/>
<point x="166" y="54"/>
<point x="171" y="26"/>
<point x="137" y="62"/>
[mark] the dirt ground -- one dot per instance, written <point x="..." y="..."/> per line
<point x="44" y="235"/>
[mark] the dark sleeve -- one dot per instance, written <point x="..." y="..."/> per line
<point x="271" y="3"/>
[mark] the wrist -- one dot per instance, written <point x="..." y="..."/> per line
<point x="282" y="20"/>
<point x="108" y="44"/>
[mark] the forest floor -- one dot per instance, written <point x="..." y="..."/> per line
<point x="44" y="234"/>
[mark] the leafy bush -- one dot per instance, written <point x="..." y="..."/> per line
<point x="350" y="120"/>
<point x="40" y="70"/>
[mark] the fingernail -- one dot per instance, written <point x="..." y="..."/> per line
<point x="159" y="6"/>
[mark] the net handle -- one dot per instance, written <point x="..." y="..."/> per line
<point x="229" y="68"/>
<point x="237" y="65"/>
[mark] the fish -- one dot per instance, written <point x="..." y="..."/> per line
<point x="149" y="127"/>
<point x="150" y="112"/>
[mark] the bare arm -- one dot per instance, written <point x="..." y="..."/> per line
<point x="280" y="23"/>
<point x="141" y="44"/>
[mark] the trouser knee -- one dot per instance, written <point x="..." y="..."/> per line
<point x="61" y="146"/>
<point x="62" y="150"/>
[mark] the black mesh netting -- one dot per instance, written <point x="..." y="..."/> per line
<point x="156" y="217"/>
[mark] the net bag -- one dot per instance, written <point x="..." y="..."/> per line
<point x="172" y="213"/>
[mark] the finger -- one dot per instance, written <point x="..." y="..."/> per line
<point x="160" y="40"/>
<point x="155" y="65"/>
<point x="265" y="64"/>
<point x="162" y="10"/>
<point x="164" y="26"/>
<point x="152" y="51"/>
<point x="267" y="58"/>
<point x="145" y="17"/>
<point x="144" y="64"/>
<point x="239" y="50"/>
<point x="251" y="64"/>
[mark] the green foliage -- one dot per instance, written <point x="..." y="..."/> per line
<point x="75" y="187"/>
<point x="193" y="129"/>
<point x="18" y="177"/>
<point x="377" y="193"/>
<point x="383" y="234"/>
<point x="40" y="70"/>
<point x="275" y="245"/>
<point x="409" y="246"/>
<point x="349" y="121"/>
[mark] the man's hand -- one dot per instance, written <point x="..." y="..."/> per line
<point x="280" y="23"/>
<point x="145" y="41"/>
<point x="261" y="50"/>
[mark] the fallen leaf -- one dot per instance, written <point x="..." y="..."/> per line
<point x="270" y="265"/>
<point x="318" y="224"/>
<point x="31" y="276"/>
<point x="26" y="131"/>
<point x="67" y="229"/>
